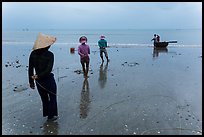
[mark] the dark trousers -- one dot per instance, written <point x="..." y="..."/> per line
<point x="47" y="89"/>
<point x="85" y="61"/>
<point x="103" y="50"/>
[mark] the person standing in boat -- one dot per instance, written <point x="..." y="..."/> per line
<point x="154" y="39"/>
<point x="158" y="38"/>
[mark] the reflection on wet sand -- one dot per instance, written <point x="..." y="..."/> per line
<point x="103" y="75"/>
<point x="50" y="128"/>
<point x="156" y="51"/>
<point x="85" y="100"/>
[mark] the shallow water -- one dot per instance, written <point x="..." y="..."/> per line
<point x="139" y="92"/>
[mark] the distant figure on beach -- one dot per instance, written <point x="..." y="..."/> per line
<point x="41" y="60"/>
<point x="85" y="99"/>
<point x="84" y="51"/>
<point x="102" y="43"/>
<point x="103" y="75"/>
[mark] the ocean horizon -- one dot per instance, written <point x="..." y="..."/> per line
<point x="115" y="37"/>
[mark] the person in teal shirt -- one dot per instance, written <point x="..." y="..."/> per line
<point x="102" y="43"/>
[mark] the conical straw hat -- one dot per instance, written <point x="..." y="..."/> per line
<point x="43" y="41"/>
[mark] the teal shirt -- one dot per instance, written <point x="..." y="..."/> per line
<point x="102" y="43"/>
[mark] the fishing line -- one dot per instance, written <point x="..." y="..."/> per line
<point x="45" y="88"/>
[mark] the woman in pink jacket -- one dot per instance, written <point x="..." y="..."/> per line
<point x="84" y="51"/>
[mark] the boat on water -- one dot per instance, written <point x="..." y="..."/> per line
<point x="163" y="44"/>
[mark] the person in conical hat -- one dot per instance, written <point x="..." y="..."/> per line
<point x="43" y="41"/>
<point x="41" y="60"/>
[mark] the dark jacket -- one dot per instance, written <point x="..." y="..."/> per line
<point x="42" y="61"/>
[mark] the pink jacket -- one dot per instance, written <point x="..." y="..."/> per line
<point x="83" y="50"/>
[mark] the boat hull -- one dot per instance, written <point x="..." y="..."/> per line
<point x="161" y="44"/>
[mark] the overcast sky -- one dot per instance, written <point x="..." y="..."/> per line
<point x="101" y="15"/>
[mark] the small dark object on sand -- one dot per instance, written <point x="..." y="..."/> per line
<point x="78" y="71"/>
<point x="17" y="61"/>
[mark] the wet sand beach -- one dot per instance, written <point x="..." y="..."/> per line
<point x="141" y="91"/>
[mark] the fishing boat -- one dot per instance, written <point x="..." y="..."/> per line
<point x="163" y="44"/>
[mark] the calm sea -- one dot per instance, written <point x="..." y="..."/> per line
<point x="130" y="37"/>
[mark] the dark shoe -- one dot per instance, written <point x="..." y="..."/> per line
<point x="52" y="118"/>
